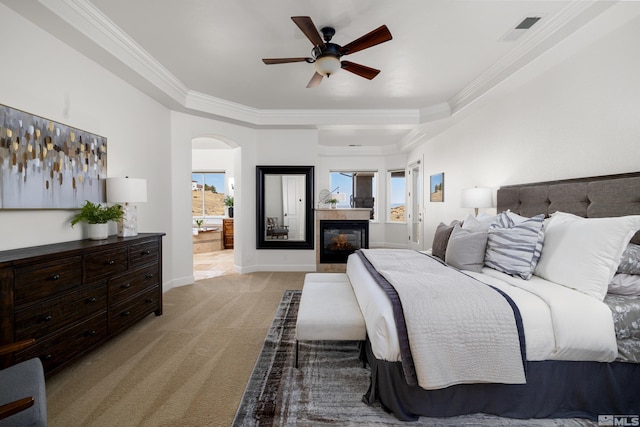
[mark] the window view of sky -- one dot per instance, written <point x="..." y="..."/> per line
<point x="344" y="184"/>
<point x="215" y="179"/>
<point x="398" y="187"/>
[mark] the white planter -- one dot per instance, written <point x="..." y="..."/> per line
<point x="98" y="231"/>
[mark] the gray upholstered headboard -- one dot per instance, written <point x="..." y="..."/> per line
<point x="594" y="197"/>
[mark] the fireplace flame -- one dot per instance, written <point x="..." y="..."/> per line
<point x="340" y="243"/>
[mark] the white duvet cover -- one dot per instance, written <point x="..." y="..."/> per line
<point x="559" y="323"/>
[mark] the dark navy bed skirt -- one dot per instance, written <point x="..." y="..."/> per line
<point x="554" y="389"/>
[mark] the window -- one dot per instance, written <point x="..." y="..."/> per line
<point x="397" y="195"/>
<point x="207" y="194"/>
<point x="354" y="189"/>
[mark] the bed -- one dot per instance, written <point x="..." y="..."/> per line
<point x="579" y="344"/>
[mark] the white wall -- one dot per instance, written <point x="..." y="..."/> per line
<point x="42" y="76"/>
<point x="184" y="128"/>
<point x="381" y="233"/>
<point x="276" y="148"/>
<point x="578" y="118"/>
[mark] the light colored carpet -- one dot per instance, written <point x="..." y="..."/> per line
<point x="188" y="367"/>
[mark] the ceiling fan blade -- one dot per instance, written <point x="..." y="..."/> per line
<point x="377" y="36"/>
<point x="315" y="80"/>
<point x="361" y="70"/>
<point x="270" y="61"/>
<point x="309" y="29"/>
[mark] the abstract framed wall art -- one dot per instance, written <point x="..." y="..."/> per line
<point x="48" y="165"/>
<point x="436" y="188"/>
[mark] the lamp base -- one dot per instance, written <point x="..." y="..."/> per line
<point x="128" y="224"/>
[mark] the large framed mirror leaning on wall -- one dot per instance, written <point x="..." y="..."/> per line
<point x="284" y="207"/>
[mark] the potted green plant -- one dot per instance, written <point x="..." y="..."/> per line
<point x="228" y="202"/>
<point x="97" y="217"/>
<point x="333" y="203"/>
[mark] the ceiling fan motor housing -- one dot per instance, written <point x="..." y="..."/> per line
<point x="331" y="49"/>
<point x="327" y="33"/>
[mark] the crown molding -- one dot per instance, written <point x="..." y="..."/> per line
<point x="373" y="151"/>
<point x="435" y="112"/>
<point x="275" y="117"/>
<point x="413" y="139"/>
<point x="84" y="17"/>
<point x="97" y="27"/>
<point x="548" y="33"/>
<point x="93" y="24"/>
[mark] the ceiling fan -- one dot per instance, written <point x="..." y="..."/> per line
<point x="326" y="56"/>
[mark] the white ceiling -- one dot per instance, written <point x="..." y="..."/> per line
<point x="205" y="56"/>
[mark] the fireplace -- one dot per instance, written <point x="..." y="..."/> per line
<point x="341" y="238"/>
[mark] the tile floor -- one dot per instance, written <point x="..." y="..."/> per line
<point x="212" y="264"/>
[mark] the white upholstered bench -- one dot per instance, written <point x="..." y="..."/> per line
<point x="329" y="310"/>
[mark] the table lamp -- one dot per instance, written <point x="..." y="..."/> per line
<point x="127" y="191"/>
<point x="477" y="198"/>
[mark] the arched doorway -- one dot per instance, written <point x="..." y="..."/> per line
<point x="212" y="196"/>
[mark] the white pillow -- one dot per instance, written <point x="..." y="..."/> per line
<point x="479" y="223"/>
<point x="584" y="253"/>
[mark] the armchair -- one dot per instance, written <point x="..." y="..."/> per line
<point x="274" y="230"/>
<point x="23" y="399"/>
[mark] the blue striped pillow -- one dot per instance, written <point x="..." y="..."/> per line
<point x="514" y="244"/>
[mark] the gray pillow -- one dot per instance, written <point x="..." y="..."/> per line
<point x="630" y="261"/>
<point x="466" y="249"/>
<point x="514" y="244"/>
<point x="441" y="238"/>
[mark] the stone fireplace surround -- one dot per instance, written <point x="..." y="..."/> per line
<point x="336" y="214"/>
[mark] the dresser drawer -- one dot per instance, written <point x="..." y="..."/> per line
<point x="124" y="286"/>
<point x="105" y="263"/>
<point x="125" y="314"/>
<point x="144" y="253"/>
<point x="62" y="347"/>
<point x="38" y="320"/>
<point x="45" y="279"/>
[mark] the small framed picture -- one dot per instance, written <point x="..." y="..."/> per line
<point x="436" y="188"/>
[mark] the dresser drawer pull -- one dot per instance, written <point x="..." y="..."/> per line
<point x="125" y="314"/>
<point x="47" y="318"/>
<point x="91" y="333"/>
<point x="148" y="276"/>
<point x="111" y="262"/>
<point x="147" y="252"/>
<point x="55" y="277"/>
<point x="47" y="357"/>
<point x="91" y="300"/>
<point x="127" y="286"/>
<point x="149" y="300"/>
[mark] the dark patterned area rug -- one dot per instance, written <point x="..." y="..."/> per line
<point x="327" y="387"/>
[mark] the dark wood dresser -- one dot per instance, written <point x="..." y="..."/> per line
<point x="227" y="230"/>
<point x="73" y="296"/>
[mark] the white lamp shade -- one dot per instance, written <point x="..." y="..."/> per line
<point x="327" y="65"/>
<point x="126" y="190"/>
<point x="477" y="198"/>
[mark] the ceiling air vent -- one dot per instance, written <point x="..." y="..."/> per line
<point x="527" y="23"/>
<point x="520" y="29"/>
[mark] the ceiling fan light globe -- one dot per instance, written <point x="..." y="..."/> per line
<point x="327" y="65"/>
